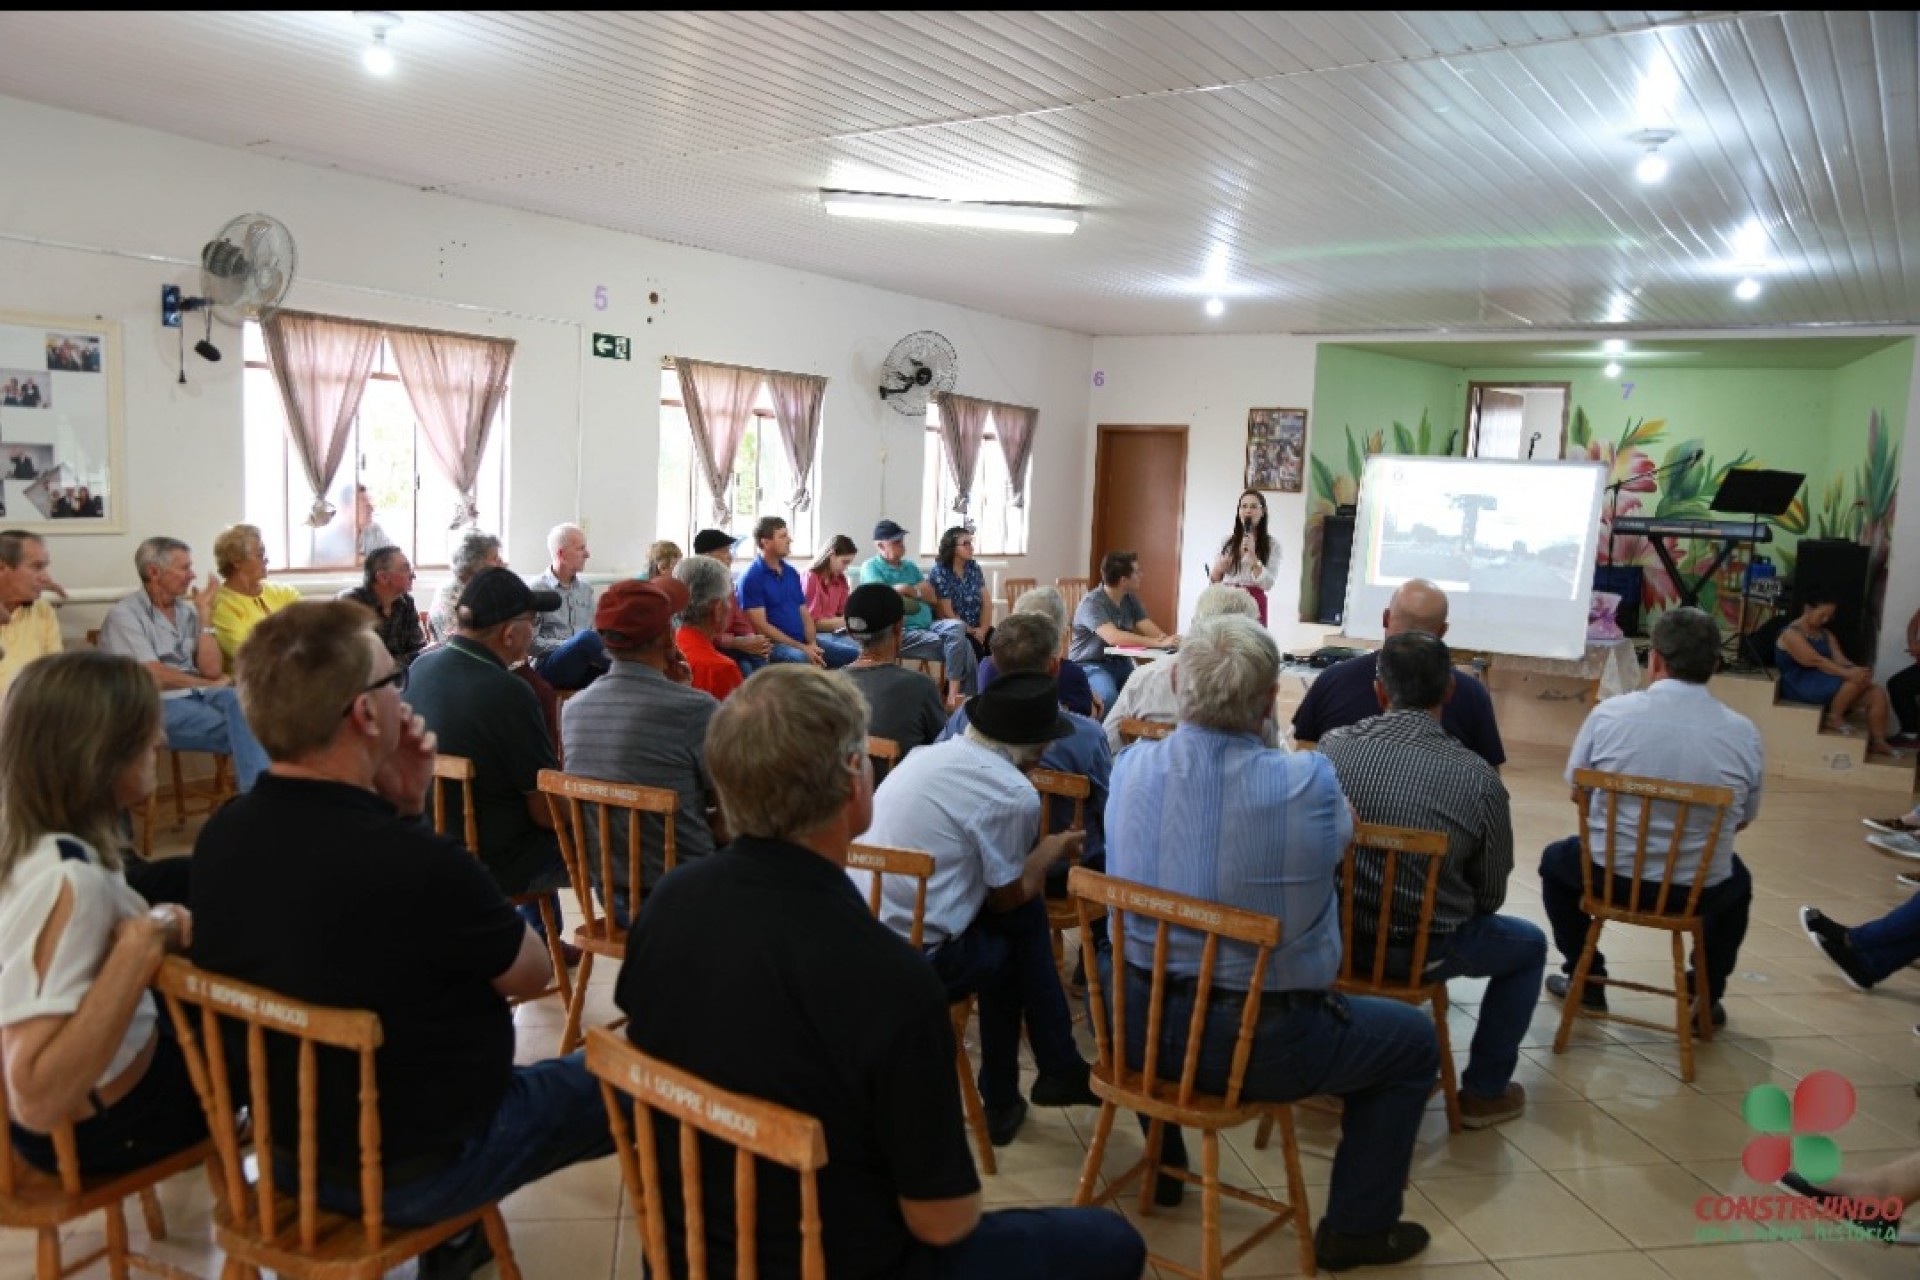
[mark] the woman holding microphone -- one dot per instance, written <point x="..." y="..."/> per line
<point x="1248" y="559"/>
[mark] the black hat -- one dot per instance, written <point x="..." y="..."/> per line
<point x="1020" y="708"/>
<point x="888" y="531"/>
<point x="710" y="540"/>
<point x="499" y="595"/>
<point x="873" y="608"/>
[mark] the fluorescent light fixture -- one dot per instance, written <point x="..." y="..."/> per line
<point x="1614" y="346"/>
<point x="1051" y="219"/>
<point x="1612" y="370"/>
<point x="1747" y="290"/>
<point x="1215" y="307"/>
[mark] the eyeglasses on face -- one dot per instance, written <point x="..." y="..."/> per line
<point x="396" y="677"/>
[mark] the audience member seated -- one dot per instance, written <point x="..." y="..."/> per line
<point x="160" y="627"/>
<point x="325" y="884"/>
<point x="1903" y="690"/>
<point x="1150" y="695"/>
<point x="478" y="709"/>
<point x="902" y="705"/>
<point x="739" y="641"/>
<point x="703" y="622"/>
<point x="923" y="636"/>
<point x="566" y="650"/>
<point x="827" y="585"/>
<point x="1816" y="671"/>
<point x="1076" y="695"/>
<point x="1676" y="730"/>
<point x="368" y="536"/>
<point x="960" y="587"/>
<point x="1030" y="642"/>
<point x="474" y="552"/>
<point x="31" y="628"/>
<point x="240" y="558"/>
<point x="663" y="557"/>
<point x="967" y="802"/>
<point x="1402" y="769"/>
<point x="776" y="603"/>
<point x="1113" y="615"/>
<point x="388" y="591"/>
<point x="854" y="1032"/>
<point x="1210" y="812"/>
<point x="84" y="1039"/>
<point x="1343" y="693"/>
<point x="1867" y="954"/>
<point x="643" y="723"/>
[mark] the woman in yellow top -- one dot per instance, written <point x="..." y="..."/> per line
<point x="245" y="595"/>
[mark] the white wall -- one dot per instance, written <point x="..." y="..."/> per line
<point x="113" y="212"/>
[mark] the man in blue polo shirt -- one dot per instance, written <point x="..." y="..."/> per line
<point x="943" y="639"/>
<point x="774" y="600"/>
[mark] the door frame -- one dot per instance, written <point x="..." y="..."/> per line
<point x="1470" y="433"/>
<point x="1095" y="551"/>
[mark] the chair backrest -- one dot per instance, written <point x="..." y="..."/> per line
<point x="203" y="1006"/>
<point x="1061" y="795"/>
<point x="448" y="770"/>
<point x="1129" y="907"/>
<point x="885" y="754"/>
<point x="1685" y="797"/>
<point x="637" y="1088"/>
<point x="882" y="861"/>
<point x="1073" y="591"/>
<point x="1011" y="589"/>
<point x="590" y="862"/>
<point x="1132" y="729"/>
<point x="1397" y="863"/>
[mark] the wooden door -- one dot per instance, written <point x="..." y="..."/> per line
<point x="1139" y="505"/>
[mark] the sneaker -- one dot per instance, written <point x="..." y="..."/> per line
<point x="1831" y="941"/>
<point x="1593" y="996"/>
<point x="1892" y="826"/>
<point x="1337" y="1252"/>
<point x="1883" y="1227"/>
<point x="1908" y="879"/>
<point x="458" y="1257"/>
<point x="1484" y="1113"/>
<point x="1904" y="739"/>
<point x="1064" y="1089"/>
<point x="1003" y="1123"/>
<point x="1898" y="846"/>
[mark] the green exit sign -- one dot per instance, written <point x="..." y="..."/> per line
<point x="611" y="346"/>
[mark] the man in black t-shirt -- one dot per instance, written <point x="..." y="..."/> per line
<point x="903" y="705"/>
<point x="761" y="970"/>
<point x="322" y="883"/>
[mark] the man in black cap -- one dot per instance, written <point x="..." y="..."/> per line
<point x="738" y="640"/>
<point x="967" y="802"/>
<point x="905" y="706"/>
<point x="922" y="635"/>
<point x="481" y="710"/>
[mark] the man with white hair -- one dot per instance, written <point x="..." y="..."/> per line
<point x="1076" y="695"/>
<point x="704" y="621"/>
<point x="1150" y="694"/>
<point x="567" y="651"/>
<point x="1212" y="813"/>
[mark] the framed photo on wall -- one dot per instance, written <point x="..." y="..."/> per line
<point x="61" y="433"/>
<point x="1276" y="449"/>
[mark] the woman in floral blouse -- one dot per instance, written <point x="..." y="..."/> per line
<point x="957" y="580"/>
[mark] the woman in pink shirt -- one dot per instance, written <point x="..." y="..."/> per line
<point x="827" y="585"/>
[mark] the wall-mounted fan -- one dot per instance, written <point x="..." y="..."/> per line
<point x="920" y="366"/>
<point x="245" y="272"/>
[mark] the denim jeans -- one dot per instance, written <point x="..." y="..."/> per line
<point x="1380" y="1057"/>
<point x="1037" y="1244"/>
<point x="210" y="719"/>
<point x="1891" y="943"/>
<point x="1512" y="955"/>
<point x="1006" y="959"/>
<point x="837" y="650"/>
<point x="575" y="664"/>
<point x="551" y="1117"/>
<point x="947" y="640"/>
<point x="1107" y="677"/>
<point x="1723" y="911"/>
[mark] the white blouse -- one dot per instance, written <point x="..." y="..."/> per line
<point x="1241" y="573"/>
<point x="101" y="899"/>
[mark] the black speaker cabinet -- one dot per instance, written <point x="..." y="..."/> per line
<point x="1627" y="581"/>
<point x="1839" y="566"/>
<point x="1336" y="554"/>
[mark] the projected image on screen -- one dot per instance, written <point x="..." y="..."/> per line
<point x="1512" y="543"/>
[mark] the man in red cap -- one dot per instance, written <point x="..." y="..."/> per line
<point x="643" y="722"/>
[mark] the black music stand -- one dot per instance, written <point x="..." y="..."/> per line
<point x="1756" y="493"/>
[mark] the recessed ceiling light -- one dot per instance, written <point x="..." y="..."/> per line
<point x="378" y="58"/>
<point x="1653" y="166"/>
<point x="1215" y="307"/>
<point x="1613" y="369"/>
<point x="1614" y="346"/>
<point x="1053" y="219"/>
<point x="1747" y="290"/>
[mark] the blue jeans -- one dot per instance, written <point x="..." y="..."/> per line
<point x="1036" y="1244"/>
<point x="1107" y="677"/>
<point x="551" y="1117"/>
<point x="1723" y="911"/>
<point x="575" y="664"/>
<point x="947" y="640"/>
<point x="1006" y="959"/>
<point x="837" y="650"/>
<point x="211" y="720"/>
<point x="1512" y="954"/>
<point x="1891" y="943"/>
<point x="1380" y="1057"/>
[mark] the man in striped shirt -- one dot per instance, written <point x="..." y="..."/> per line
<point x="1404" y="769"/>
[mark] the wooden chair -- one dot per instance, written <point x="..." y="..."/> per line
<point x="885" y="754"/>
<point x="257" y="1222"/>
<point x="1070" y="790"/>
<point x="1073" y="591"/>
<point x="934" y="669"/>
<point x="636" y="1087"/>
<point x="591" y="869"/>
<point x="1679" y="918"/>
<point x="44" y="1202"/>
<point x="1011" y="589"/>
<point x="1132" y="730"/>
<point x="1167" y="1099"/>
<point x="448" y="770"/>
<point x="881" y="861"/>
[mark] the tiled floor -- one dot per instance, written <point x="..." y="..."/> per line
<point x="1600" y="1177"/>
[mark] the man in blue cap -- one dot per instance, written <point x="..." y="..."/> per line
<point x="923" y="636"/>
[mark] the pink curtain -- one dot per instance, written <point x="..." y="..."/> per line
<point x="719" y="400"/>
<point x="320" y="365"/>
<point x="1014" y="425"/>
<point x="796" y="407"/>
<point x="963" y="424"/>
<point x="455" y="382"/>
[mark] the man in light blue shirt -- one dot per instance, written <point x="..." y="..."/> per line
<point x="1212" y="813"/>
<point x="567" y="651"/>
<point x="925" y="636"/>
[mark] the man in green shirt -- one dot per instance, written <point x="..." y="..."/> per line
<point x="923" y="636"/>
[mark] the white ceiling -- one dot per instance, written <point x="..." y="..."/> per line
<point x="1366" y="173"/>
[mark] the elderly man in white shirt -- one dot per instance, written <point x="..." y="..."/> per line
<point x="1150" y="694"/>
